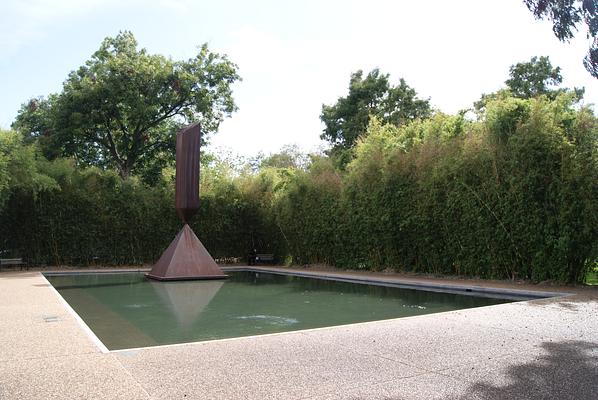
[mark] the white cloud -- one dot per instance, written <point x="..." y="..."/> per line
<point x="451" y="52"/>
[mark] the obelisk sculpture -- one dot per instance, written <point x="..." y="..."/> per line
<point x="186" y="258"/>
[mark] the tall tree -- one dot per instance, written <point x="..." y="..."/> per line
<point x="290" y="156"/>
<point x="370" y="96"/>
<point x="533" y="78"/>
<point x="122" y="107"/>
<point x="530" y="79"/>
<point x="537" y="77"/>
<point x="566" y="15"/>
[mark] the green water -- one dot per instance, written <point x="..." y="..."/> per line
<point x="128" y="310"/>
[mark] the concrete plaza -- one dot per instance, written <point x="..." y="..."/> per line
<point x="539" y="349"/>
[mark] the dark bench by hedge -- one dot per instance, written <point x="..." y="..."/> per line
<point x="11" y="261"/>
<point x="264" y="258"/>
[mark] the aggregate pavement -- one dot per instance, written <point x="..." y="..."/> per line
<point x="537" y="349"/>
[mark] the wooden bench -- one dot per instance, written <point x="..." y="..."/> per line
<point x="264" y="258"/>
<point x="11" y="261"/>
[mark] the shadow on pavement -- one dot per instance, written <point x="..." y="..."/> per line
<point x="568" y="370"/>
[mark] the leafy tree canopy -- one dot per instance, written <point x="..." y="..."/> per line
<point x="530" y="79"/>
<point x="121" y="109"/>
<point x="533" y="78"/>
<point x="290" y="156"/>
<point x="373" y="95"/>
<point x="22" y="168"/>
<point x="566" y="15"/>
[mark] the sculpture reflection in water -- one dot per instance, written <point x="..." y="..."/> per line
<point x="186" y="258"/>
<point x="187" y="300"/>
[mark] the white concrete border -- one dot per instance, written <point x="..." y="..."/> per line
<point x="79" y="320"/>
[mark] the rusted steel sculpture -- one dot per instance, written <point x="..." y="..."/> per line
<point x="186" y="258"/>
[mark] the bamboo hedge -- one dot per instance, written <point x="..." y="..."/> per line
<point x="511" y="194"/>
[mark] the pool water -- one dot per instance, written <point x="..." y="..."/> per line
<point x="126" y="310"/>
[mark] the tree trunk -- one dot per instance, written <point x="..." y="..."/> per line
<point x="125" y="168"/>
<point x="124" y="171"/>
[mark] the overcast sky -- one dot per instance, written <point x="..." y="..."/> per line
<point x="292" y="56"/>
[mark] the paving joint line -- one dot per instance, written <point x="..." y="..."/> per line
<point x="139" y="384"/>
<point x="440" y="372"/>
<point x="520" y="331"/>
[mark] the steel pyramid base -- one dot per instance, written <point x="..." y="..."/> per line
<point x="186" y="258"/>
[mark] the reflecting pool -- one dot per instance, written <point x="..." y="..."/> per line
<point x="126" y="310"/>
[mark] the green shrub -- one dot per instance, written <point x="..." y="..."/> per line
<point x="511" y="195"/>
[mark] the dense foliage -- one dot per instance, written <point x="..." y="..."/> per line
<point x="510" y="191"/>
<point x="513" y="194"/>
<point x="529" y="79"/>
<point x="121" y="108"/>
<point x="536" y="77"/>
<point x="372" y="96"/>
<point x="54" y="213"/>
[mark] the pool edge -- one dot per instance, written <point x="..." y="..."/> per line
<point x="467" y="290"/>
<point x="92" y="336"/>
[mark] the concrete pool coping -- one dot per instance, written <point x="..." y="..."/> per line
<point x="472" y="353"/>
<point x="468" y="290"/>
